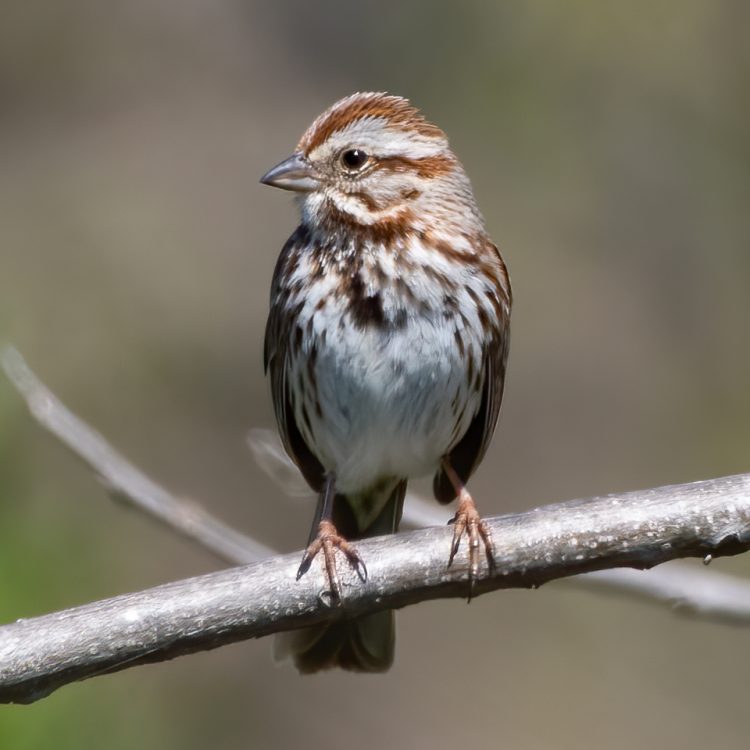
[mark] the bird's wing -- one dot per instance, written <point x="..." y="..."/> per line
<point x="276" y="361"/>
<point x="468" y="453"/>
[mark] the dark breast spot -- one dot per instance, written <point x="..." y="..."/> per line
<point x="459" y="341"/>
<point x="470" y="364"/>
<point x="311" y="361"/>
<point x="399" y="319"/>
<point x="366" y="310"/>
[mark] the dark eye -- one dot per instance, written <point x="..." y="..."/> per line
<point x="354" y="159"/>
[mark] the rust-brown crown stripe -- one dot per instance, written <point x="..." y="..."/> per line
<point x="398" y="110"/>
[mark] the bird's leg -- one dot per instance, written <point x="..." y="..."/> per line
<point x="324" y="537"/>
<point x="468" y="521"/>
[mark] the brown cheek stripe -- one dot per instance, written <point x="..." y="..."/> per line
<point x="387" y="231"/>
<point x="366" y="200"/>
<point x="430" y="166"/>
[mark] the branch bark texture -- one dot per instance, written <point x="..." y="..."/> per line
<point x="636" y="529"/>
<point x="689" y="590"/>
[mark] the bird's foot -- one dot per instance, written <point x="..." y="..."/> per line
<point x="328" y="540"/>
<point x="467" y="521"/>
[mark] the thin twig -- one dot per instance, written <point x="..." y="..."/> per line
<point x="698" y="592"/>
<point x="120" y="477"/>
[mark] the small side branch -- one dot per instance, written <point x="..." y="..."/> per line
<point x="123" y="480"/>
<point x="637" y="529"/>
<point x="686" y="589"/>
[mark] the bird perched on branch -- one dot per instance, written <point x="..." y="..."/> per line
<point x="386" y="344"/>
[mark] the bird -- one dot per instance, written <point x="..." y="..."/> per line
<point x="386" y="346"/>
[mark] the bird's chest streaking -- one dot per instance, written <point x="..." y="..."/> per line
<point x="387" y="376"/>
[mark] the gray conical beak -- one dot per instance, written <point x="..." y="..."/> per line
<point x="294" y="173"/>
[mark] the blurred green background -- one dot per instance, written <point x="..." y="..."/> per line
<point x="608" y="146"/>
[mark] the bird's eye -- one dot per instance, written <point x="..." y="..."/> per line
<point x="354" y="159"/>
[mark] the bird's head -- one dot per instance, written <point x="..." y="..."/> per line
<point x="373" y="158"/>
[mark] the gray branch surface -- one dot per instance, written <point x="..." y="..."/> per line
<point x="688" y="590"/>
<point x="684" y="588"/>
<point x="637" y="529"/>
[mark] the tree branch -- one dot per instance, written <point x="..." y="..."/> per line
<point x="637" y="529"/>
<point x="683" y="588"/>
<point x="688" y="590"/>
<point x="697" y="592"/>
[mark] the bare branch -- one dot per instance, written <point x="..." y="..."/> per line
<point x="683" y="588"/>
<point x="698" y="592"/>
<point x="687" y="590"/>
<point x="637" y="529"/>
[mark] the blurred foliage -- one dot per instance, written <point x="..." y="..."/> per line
<point x="608" y="148"/>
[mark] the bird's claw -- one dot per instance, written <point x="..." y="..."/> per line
<point x="467" y="521"/>
<point x="328" y="540"/>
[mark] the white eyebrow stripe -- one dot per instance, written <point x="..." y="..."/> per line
<point x="382" y="138"/>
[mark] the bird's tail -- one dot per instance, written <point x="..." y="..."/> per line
<point x="360" y="644"/>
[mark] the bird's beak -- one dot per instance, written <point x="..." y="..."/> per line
<point x="294" y="173"/>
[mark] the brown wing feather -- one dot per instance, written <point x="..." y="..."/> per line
<point x="275" y="354"/>
<point x="468" y="453"/>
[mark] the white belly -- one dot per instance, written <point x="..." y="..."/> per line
<point x="392" y="402"/>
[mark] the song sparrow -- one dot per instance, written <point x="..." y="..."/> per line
<point x="386" y="343"/>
